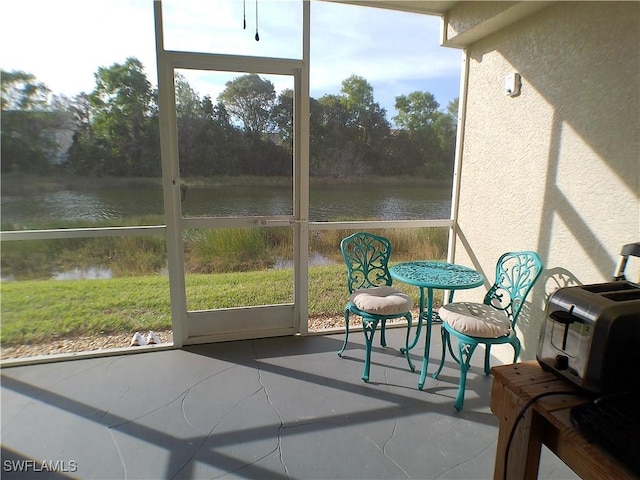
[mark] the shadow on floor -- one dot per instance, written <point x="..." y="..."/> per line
<point x="284" y="407"/>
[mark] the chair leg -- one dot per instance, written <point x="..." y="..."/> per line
<point x="445" y="340"/>
<point x="383" y="335"/>
<point x="369" y="329"/>
<point x="515" y="343"/>
<point x="487" y="359"/>
<point x="406" y="350"/>
<point x="346" y="331"/>
<point x="466" y="351"/>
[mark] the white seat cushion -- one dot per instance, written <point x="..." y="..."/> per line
<point x="476" y="319"/>
<point x="381" y="300"/>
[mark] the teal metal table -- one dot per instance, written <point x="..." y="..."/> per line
<point x="431" y="276"/>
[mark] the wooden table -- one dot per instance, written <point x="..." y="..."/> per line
<point x="546" y="422"/>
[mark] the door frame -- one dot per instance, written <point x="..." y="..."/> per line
<point x="246" y="322"/>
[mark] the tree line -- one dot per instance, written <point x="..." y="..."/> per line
<point x="113" y="130"/>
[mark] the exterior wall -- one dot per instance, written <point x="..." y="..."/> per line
<point x="557" y="168"/>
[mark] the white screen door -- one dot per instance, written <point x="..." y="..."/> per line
<point x="239" y="193"/>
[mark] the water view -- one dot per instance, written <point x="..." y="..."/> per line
<point x="206" y="251"/>
<point x="327" y="203"/>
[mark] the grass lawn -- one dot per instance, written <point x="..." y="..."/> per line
<point x="42" y="310"/>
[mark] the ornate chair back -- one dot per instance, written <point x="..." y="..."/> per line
<point x="516" y="272"/>
<point x="367" y="258"/>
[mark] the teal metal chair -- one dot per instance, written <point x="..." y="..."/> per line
<point x="493" y="321"/>
<point x="372" y="296"/>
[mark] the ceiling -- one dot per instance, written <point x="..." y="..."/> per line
<point x="415" y="6"/>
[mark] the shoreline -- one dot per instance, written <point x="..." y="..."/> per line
<point x="20" y="184"/>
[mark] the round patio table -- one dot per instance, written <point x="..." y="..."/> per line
<point x="430" y="276"/>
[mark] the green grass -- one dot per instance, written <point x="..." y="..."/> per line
<point x="240" y="289"/>
<point x="42" y="310"/>
<point x="226" y="268"/>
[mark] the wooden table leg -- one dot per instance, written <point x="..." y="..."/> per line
<point x="525" y="446"/>
<point x="547" y="421"/>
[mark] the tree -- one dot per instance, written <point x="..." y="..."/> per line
<point x="416" y="110"/>
<point x="283" y="117"/>
<point x="28" y="124"/>
<point x="86" y="157"/>
<point x="357" y="97"/>
<point x="250" y="99"/>
<point x="191" y="123"/>
<point x="421" y="121"/>
<point x="21" y="91"/>
<point x="188" y="103"/>
<point x="334" y="139"/>
<point x="122" y="104"/>
<point x="208" y="143"/>
<point x="369" y="120"/>
<point x="446" y="126"/>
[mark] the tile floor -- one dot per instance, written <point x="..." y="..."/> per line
<point x="271" y="408"/>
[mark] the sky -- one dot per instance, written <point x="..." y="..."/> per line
<point x="64" y="42"/>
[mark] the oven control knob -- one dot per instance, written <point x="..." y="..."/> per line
<point x="562" y="362"/>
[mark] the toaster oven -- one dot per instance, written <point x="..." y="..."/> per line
<point x="591" y="336"/>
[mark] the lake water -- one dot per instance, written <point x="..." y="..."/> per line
<point x="110" y="206"/>
<point x="327" y="203"/>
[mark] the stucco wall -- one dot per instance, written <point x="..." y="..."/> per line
<point x="557" y="168"/>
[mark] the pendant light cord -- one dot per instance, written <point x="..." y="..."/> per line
<point x="257" y="36"/>
<point x="244" y="18"/>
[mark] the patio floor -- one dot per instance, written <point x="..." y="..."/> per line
<point x="272" y="408"/>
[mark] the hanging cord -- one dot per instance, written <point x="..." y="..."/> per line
<point x="244" y="14"/>
<point x="523" y="411"/>
<point x="257" y="36"/>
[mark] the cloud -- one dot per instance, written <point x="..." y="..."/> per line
<point x="396" y="52"/>
<point x="63" y="42"/>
